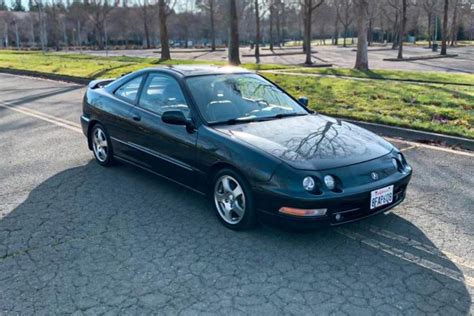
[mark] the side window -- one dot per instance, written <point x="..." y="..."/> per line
<point x="162" y="93"/>
<point x="130" y="89"/>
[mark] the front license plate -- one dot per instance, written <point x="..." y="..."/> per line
<point x="381" y="197"/>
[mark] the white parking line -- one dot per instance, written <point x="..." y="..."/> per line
<point x="407" y="256"/>
<point x="420" y="145"/>
<point x="43" y="116"/>
<point x="423" y="247"/>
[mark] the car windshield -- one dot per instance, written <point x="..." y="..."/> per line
<point x="233" y="98"/>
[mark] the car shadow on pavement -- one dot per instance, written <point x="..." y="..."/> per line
<point x="92" y="239"/>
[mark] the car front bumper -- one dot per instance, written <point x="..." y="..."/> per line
<point x="85" y="124"/>
<point x="344" y="208"/>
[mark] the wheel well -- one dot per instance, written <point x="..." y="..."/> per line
<point x="89" y="129"/>
<point x="219" y="166"/>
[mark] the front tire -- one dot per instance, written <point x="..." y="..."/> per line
<point x="233" y="200"/>
<point x="101" y="145"/>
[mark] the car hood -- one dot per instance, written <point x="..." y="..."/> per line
<point x="311" y="142"/>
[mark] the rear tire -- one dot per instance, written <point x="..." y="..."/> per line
<point x="233" y="200"/>
<point x="101" y="145"/>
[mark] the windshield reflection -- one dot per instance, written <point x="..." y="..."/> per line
<point x="237" y="98"/>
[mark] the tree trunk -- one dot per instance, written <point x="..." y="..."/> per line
<point x="444" y="49"/>
<point x="336" y="28"/>
<point x="454" y="26"/>
<point x="257" y="33"/>
<point x="271" y="19"/>
<point x="394" y="33"/>
<point x="307" y="32"/>
<point x="213" y="28"/>
<point x="430" y="34"/>
<point x="362" y="58"/>
<point x="345" y="37"/>
<point x="401" y="35"/>
<point x="165" y="46"/>
<point x="369" y="33"/>
<point x="145" y="26"/>
<point x="278" y="24"/>
<point x="233" y="51"/>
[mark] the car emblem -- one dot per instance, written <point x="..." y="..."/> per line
<point x="374" y="175"/>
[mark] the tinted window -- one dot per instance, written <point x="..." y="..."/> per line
<point x="162" y="93"/>
<point x="129" y="90"/>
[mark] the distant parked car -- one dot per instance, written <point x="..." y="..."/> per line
<point x="253" y="148"/>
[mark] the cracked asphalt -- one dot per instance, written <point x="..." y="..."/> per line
<point x="76" y="238"/>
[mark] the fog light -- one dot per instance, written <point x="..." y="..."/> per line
<point x="329" y="182"/>
<point x="303" y="212"/>
<point x="309" y="184"/>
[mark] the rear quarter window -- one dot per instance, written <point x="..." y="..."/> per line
<point x="129" y="90"/>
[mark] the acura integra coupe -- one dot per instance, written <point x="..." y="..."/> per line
<point x="235" y="136"/>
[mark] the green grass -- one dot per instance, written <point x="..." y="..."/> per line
<point x="87" y="66"/>
<point x="447" y="109"/>
<point x="437" y="108"/>
<point x="438" y="77"/>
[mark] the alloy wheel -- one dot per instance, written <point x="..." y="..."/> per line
<point x="99" y="143"/>
<point x="229" y="198"/>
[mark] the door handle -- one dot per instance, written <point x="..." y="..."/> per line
<point x="136" y="117"/>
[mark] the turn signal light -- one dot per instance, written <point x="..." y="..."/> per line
<point x="303" y="212"/>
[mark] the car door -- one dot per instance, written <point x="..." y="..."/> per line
<point x="118" y="118"/>
<point x="164" y="148"/>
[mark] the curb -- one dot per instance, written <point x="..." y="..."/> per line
<point x="381" y="129"/>
<point x="71" y="79"/>
<point x="421" y="58"/>
<point x="415" y="135"/>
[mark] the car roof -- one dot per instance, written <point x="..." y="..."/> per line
<point x="200" y="70"/>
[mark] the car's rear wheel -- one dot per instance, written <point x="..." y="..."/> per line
<point x="233" y="200"/>
<point x="101" y="145"/>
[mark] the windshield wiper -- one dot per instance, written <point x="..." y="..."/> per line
<point x="235" y="121"/>
<point x="282" y="115"/>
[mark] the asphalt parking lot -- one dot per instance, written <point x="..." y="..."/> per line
<point x="79" y="238"/>
<point x="337" y="56"/>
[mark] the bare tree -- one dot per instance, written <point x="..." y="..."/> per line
<point x="373" y="12"/>
<point x="257" y="31"/>
<point x="145" y="17"/>
<point x="98" y="11"/>
<point x="454" y="24"/>
<point x="308" y="7"/>
<point x="233" y="50"/>
<point x="362" y="58"/>
<point x="209" y="5"/>
<point x="165" y="8"/>
<point x="272" y="9"/>
<point x="346" y="17"/>
<point x="429" y="6"/>
<point x="401" y="34"/>
<point x="337" y="18"/>
<point x="444" y="43"/>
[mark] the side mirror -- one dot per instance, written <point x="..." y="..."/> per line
<point x="175" y="117"/>
<point x="304" y="101"/>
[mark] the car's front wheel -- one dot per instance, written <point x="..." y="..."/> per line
<point x="101" y="145"/>
<point x="233" y="200"/>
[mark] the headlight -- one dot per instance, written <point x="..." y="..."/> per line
<point x="309" y="184"/>
<point x="329" y="182"/>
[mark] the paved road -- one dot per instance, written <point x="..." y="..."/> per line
<point x="338" y="56"/>
<point x="79" y="238"/>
